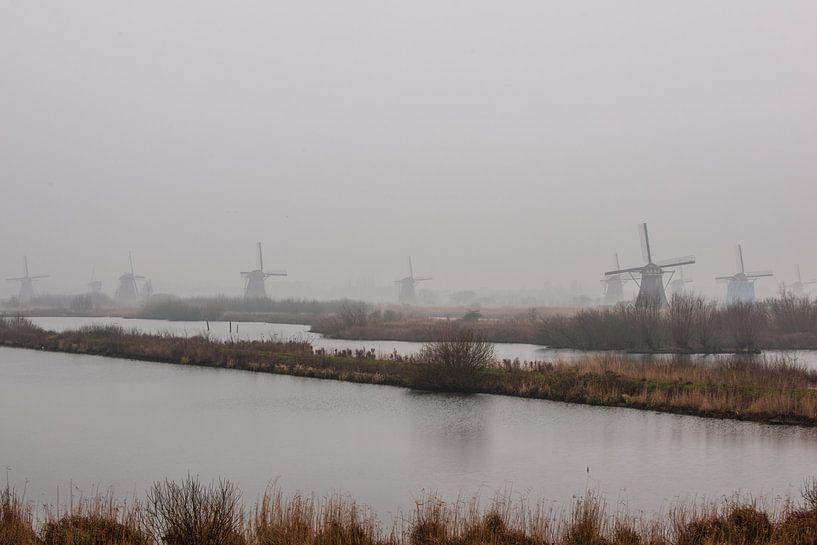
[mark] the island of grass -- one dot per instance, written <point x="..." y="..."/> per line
<point x="740" y="387"/>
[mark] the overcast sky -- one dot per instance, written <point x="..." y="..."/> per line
<point x="501" y="144"/>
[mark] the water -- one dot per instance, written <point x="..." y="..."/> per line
<point x="261" y="330"/>
<point x="91" y="421"/>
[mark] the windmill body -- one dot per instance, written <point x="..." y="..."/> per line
<point x="614" y="286"/>
<point x="651" y="289"/>
<point x="798" y="287"/>
<point x="677" y="285"/>
<point x="740" y="287"/>
<point x="127" y="292"/>
<point x="26" y="293"/>
<point x="255" y="280"/>
<point x="407" y="293"/>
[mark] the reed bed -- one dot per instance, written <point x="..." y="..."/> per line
<point x="740" y="387"/>
<point x="191" y="513"/>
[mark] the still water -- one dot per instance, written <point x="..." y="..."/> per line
<point x="260" y="330"/>
<point x="120" y="425"/>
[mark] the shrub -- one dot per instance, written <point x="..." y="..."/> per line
<point x="192" y="514"/>
<point x="454" y="363"/>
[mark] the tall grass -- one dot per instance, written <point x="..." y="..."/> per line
<point x="197" y="514"/>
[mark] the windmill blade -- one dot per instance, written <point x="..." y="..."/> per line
<point x="25" y="266"/>
<point x="797" y="273"/>
<point x="130" y="259"/>
<point x="275" y="273"/>
<point x="411" y="268"/>
<point x="38" y="276"/>
<point x="739" y="258"/>
<point x="676" y="261"/>
<point x="421" y="278"/>
<point x="260" y="258"/>
<point x="644" y="236"/>
<point x="722" y="279"/>
<point x="615" y="259"/>
<point x="759" y="274"/>
<point x="621" y="271"/>
<point x="18" y="279"/>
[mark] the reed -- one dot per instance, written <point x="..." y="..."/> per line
<point x="192" y="513"/>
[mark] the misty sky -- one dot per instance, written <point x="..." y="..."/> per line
<point x="501" y="144"/>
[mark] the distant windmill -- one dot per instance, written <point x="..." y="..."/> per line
<point x="798" y="287"/>
<point x="254" y="287"/>
<point x="94" y="286"/>
<point x="651" y="283"/>
<point x="677" y="285"/>
<point x="408" y="294"/>
<point x="740" y="287"/>
<point x="128" y="290"/>
<point x="614" y="285"/>
<point x="26" y="282"/>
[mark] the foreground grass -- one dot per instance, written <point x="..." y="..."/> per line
<point x="739" y="388"/>
<point x="190" y="513"/>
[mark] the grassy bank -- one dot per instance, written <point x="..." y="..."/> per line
<point x="689" y="325"/>
<point x="190" y="513"/>
<point x="738" y="388"/>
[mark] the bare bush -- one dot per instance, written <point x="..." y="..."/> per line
<point x="189" y="513"/>
<point x="455" y="362"/>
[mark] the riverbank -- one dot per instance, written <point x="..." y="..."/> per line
<point x="190" y="512"/>
<point x="739" y="388"/>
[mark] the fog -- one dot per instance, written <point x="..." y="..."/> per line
<point x="501" y="145"/>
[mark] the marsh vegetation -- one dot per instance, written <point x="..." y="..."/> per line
<point x="740" y="387"/>
<point x="192" y="513"/>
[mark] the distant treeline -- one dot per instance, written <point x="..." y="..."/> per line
<point x="690" y="324"/>
<point x="241" y="309"/>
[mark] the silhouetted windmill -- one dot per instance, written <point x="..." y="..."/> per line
<point x="740" y="287"/>
<point x="614" y="285"/>
<point x="254" y="287"/>
<point x="677" y="285"/>
<point x="26" y="281"/>
<point x="128" y="289"/>
<point x="651" y="284"/>
<point x="408" y="294"/>
<point x="94" y="286"/>
<point x="798" y="287"/>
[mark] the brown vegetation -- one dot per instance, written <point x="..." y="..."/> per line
<point x="741" y="387"/>
<point x="190" y="513"/>
<point x="689" y="324"/>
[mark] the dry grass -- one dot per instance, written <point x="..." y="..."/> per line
<point x="197" y="516"/>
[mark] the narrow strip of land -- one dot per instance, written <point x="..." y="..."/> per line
<point x="739" y="388"/>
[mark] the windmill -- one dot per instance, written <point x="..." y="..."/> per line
<point x="128" y="290"/>
<point x="26" y="282"/>
<point x="798" y="287"/>
<point x="678" y="284"/>
<point x="407" y="294"/>
<point x="94" y="286"/>
<point x="651" y="284"/>
<point x="614" y="285"/>
<point x="740" y="287"/>
<point x="254" y="285"/>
